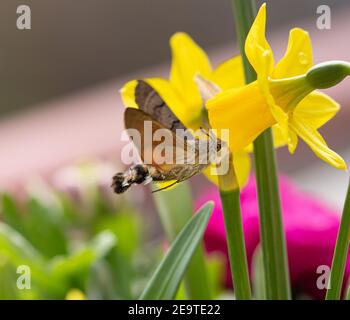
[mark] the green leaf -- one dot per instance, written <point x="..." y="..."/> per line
<point x="17" y="250"/>
<point x="8" y="278"/>
<point x="103" y="243"/>
<point x="340" y="253"/>
<point x="347" y="296"/>
<point x="125" y="226"/>
<point x="122" y="273"/>
<point x="44" y="228"/>
<point x="167" y="277"/>
<point x="100" y="282"/>
<point x="174" y="214"/>
<point x="10" y="212"/>
<point x="216" y="272"/>
<point x="258" y="275"/>
<point x="74" y="269"/>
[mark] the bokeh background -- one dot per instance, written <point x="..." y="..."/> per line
<point x="60" y="81"/>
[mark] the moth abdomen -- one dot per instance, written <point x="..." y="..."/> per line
<point x="118" y="184"/>
<point x="135" y="174"/>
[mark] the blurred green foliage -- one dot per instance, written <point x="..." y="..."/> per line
<point x="78" y="238"/>
<point x="88" y="243"/>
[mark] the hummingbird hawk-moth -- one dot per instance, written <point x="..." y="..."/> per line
<point x="188" y="159"/>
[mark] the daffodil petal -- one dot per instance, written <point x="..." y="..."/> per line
<point x="257" y="48"/>
<point x="166" y="185"/>
<point x="190" y="116"/>
<point x="260" y="56"/>
<point x="242" y="165"/>
<point x="243" y="111"/>
<point x="75" y="294"/>
<point x="292" y="141"/>
<point x="127" y="93"/>
<point x="277" y="112"/>
<point x="315" y="141"/>
<point x="229" y="74"/>
<point x="188" y="59"/>
<point x="249" y="148"/>
<point x="316" y="109"/>
<point x="279" y="139"/>
<point x="298" y="57"/>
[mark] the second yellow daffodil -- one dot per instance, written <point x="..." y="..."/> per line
<point x="182" y="95"/>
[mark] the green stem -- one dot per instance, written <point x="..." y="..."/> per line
<point x="347" y="295"/>
<point x="340" y="253"/>
<point x="235" y="243"/>
<point x="175" y="209"/>
<point x="244" y="12"/>
<point x="271" y="227"/>
<point x="229" y="194"/>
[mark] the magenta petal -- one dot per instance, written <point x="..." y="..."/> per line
<point x="311" y="230"/>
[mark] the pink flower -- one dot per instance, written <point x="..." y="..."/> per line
<point x="311" y="230"/>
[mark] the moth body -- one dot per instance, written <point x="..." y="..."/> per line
<point x="189" y="158"/>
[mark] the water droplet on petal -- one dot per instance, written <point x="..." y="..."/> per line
<point x="303" y="59"/>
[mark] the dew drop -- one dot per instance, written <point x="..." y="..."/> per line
<point x="303" y="59"/>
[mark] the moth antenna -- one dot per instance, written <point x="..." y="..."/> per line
<point x="205" y="131"/>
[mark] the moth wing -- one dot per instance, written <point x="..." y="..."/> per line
<point x="146" y="145"/>
<point x="151" y="102"/>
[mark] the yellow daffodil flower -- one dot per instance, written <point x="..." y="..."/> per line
<point x="182" y="95"/>
<point x="75" y="294"/>
<point x="283" y="95"/>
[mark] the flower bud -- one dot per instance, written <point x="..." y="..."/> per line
<point x="327" y="74"/>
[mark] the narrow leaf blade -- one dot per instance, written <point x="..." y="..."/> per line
<point x="167" y="277"/>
